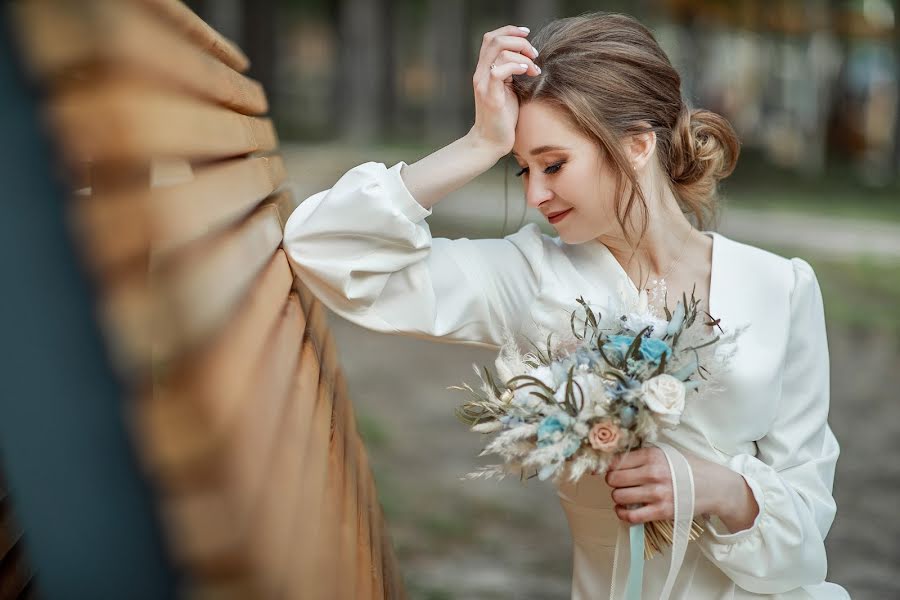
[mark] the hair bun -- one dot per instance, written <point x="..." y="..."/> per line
<point x="704" y="150"/>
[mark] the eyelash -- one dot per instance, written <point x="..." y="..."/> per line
<point x="556" y="166"/>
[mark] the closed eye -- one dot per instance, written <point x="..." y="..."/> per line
<point x="555" y="169"/>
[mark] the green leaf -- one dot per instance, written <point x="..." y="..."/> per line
<point x="531" y="380"/>
<point x="662" y="365"/>
<point x="703" y="345"/>
<point x="572" y="326"/>
<point x="615" y="374"/>
<point x="490" y="381"/>
<point x="581" y="395"/>
<point x="605" y="357"/>
<point x="635" y="346"/>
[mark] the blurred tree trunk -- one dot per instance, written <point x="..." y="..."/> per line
<point x="259" y="37"/>
<point x="895" y="163"/>
<point x="447" y="60"/>
<point x="360" y="85"/>
<point x="534" y="14"/>
<point x="691" y="57"/>
<point x="223" y="15"/>
<point x="389" y="62"/>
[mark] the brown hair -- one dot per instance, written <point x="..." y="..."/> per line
<point x="607" y="75"/>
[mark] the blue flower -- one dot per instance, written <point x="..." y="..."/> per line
<point x="583" y="356"/>
<point x="511" y="420"/>
<point x="618" y="344"/>
<point x="652" y="349"/>
<point x="627" y="415"/>
<point x="550" y="425"/>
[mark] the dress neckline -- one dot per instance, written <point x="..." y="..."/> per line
<point x="602" y="252"/>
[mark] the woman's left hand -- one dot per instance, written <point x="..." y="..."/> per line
<point x="642" y="476"/>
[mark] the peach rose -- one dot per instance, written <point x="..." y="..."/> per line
<point x="604" y="436"/>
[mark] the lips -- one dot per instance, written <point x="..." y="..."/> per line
<point x="558" y="216"/>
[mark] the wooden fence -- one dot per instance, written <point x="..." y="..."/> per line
<point x="237" y="405"/>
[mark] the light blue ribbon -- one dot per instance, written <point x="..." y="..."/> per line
<point x="636" y="567"/>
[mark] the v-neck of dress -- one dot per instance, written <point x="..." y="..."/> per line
<point x="601" y="251"/>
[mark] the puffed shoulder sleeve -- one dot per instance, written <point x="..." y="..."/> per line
<point x="793" y="473"/>
<point x="364" y="249"/>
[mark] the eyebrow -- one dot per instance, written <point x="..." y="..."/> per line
<point x="542" y="149"/>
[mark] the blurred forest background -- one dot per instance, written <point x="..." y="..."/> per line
<point x="809" y="84"/>
<point x="812" y="88"/>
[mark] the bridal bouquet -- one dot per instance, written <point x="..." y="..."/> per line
<point x="606" y="386"/>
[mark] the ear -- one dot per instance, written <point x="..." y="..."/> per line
<point x="640" y="148"/>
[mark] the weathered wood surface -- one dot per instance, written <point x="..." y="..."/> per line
<point x="237" y="401"/>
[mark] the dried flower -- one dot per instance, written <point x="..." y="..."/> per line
<point x="664" y="395"/>
<point x="604" y="436"/>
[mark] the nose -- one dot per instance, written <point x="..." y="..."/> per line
<point x="536" y="193"/>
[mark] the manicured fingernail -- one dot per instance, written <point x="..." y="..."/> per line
<point x="538" y="68"/>
<point x="533" y="49"/>
<point x="525" y="29"/>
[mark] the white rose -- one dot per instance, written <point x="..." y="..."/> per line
<point x="664" y="395"/>
<point x="637" y="322"/>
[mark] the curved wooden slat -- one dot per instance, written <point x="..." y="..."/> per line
<point x="129" y="120"/>
<point x="180" y="422"/>
<point x="277" y="512"/>
<point x="238" y="475"/>
<point x="306" y="296"/>
<point x="314" y="552"/>
<point x="357" y="509"/>
<point x="342" y="489"/>
<point x="64" y="35"/>
<point x="198" y="31"/>
<point x="340" y="499"/>
<point x="251" y="438"/>
<point x="153" y="319"/>
<point x="370" y="528"/>
<point x="125" y="225"/>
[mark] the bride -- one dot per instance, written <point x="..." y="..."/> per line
<point x="611" y="155"/>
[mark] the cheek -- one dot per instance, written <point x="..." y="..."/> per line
<point x="591" y="195"/>
<point x="604" y="192"/>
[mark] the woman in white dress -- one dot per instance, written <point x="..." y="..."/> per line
<point x="613" y="157"/>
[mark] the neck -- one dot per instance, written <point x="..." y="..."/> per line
<point x="668" y="235"/>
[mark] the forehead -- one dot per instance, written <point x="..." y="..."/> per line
<point x="540" y="126"/>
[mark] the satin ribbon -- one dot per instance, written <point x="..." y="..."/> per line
<point x="636" y="568"/>
<point x="683" y="494"/>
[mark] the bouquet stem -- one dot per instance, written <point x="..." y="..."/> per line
<point x="659" y="534"/>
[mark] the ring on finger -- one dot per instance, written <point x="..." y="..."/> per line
<point x="493" y="66"/>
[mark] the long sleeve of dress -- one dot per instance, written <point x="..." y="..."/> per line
<point x="792" y="476"/>
<point x="364" y="249"/>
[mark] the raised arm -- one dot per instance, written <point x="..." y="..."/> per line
<point x="496" y="113"/>
<point x="363" y="247"/>
<point x="365" y="250"/>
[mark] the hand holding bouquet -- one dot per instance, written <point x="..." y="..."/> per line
<point x="607" y="387"/>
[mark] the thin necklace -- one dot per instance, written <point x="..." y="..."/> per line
<point x="661" y="282"/>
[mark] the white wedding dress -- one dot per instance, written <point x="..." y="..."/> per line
<point x="365" y="249"/>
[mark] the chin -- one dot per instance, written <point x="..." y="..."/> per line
<point x="576" y="237"/>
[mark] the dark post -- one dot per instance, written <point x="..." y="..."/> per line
<point x="90" y="525"/>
